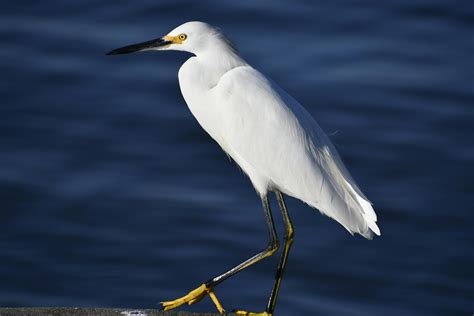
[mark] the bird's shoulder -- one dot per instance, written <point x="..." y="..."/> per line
<point x="240" y="79"/>
<point x="244" y="86"/>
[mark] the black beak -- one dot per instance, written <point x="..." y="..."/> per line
<point x="159" y="42"/>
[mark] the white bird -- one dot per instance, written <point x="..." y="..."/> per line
<point x="273" y="139"/>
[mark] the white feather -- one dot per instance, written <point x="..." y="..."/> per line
<point x="268" y="133"/>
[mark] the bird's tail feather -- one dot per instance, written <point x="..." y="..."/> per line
<point x="345" y="202"/>
<point x="368" y="212"/>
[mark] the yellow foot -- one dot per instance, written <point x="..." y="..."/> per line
<point x="193" y="297"/>
<point x="245" y="313"/>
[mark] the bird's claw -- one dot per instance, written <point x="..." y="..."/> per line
<point x="193" y="297"/>
<point x="245" y="313"/>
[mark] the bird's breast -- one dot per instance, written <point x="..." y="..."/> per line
<point x="196" y="88"/>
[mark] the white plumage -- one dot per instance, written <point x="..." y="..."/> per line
<point x="268" y="133"/>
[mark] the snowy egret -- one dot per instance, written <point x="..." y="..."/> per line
<point x="269" y="135"/>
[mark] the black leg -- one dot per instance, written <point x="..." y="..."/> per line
<point x="289" y="236"/>
<point x="268" y="251"/>
<point x="207" y="288"/>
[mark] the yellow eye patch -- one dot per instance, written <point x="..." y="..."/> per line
<point x="178" y="39"/>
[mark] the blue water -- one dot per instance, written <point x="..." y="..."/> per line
<point x="112" y="195"/>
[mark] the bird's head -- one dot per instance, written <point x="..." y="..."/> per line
<point x="193" y="37"/>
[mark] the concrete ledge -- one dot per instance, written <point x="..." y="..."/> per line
<point x="80" y="311"/>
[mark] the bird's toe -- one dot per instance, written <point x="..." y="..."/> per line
<point x="246" y="313"/>
<point x="193" y="297"/>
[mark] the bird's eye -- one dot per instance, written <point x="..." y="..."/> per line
<point x="182" y="36"/>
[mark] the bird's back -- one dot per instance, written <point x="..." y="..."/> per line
<point x="281" y="147"/>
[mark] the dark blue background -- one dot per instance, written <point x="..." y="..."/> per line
<point x="112" y="195"/>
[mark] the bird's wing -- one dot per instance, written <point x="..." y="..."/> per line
<point x="280" y="146"/>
